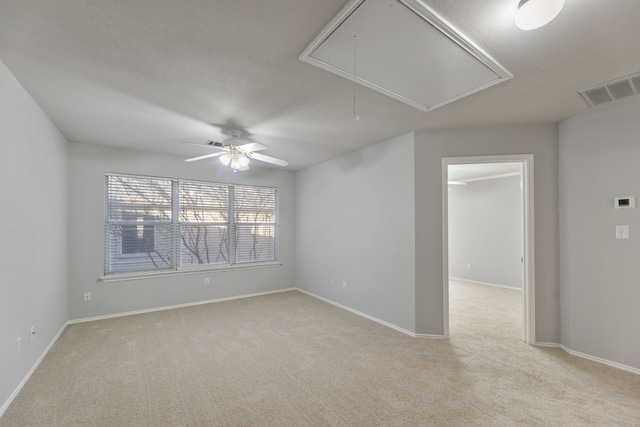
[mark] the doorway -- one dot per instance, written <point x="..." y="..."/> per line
<point x="519" y="270"/>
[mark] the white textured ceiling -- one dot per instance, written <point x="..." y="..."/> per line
<point x="405" y="52"/>
<point x="149" y="74"/>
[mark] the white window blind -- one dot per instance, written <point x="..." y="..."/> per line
<point x="138" y="224"/>
<point x="204" y="223"/>
<point x="255" y="224"/>
<point x="155" y="224"/>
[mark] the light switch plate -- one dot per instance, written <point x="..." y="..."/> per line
<point x="622" y="231"/>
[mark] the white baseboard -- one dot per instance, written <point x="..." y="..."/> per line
<point x="547" y="344"/>
<point x="412" y="334"/>
<point x="13" y="395"/>
<point x="495" y="285"/>
<point x="430" y="336"/>
<point x="590" y="357"/>
<point x="600" y="360"/>
<point x="366" y="316"/>
<point x="171" y="307"/>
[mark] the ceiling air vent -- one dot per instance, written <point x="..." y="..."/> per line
<point x="612" y="90"/>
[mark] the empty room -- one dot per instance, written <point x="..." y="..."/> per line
<point x="308" y="213"/>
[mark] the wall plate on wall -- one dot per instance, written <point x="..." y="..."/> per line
<point x="624" y="202"/>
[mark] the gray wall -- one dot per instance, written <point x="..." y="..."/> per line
<point x="87" y="166"/>
<point x="600" y="159"/>
<point x="356" y="224"/>
<point x="372" y="218"/>
<point x="430" y="148"/>
<point x="33" y="219"/>
<point x="485" y="230"/>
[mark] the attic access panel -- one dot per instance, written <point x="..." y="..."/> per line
<point x="404" y="50"/>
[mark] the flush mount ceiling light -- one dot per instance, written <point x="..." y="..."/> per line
<point x="534" y="14"/>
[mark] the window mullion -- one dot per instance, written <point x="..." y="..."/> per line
<point x="107" y="228"/>
<point x="175" y="225"/>
<point x="232" y="225"/>
<point x="276" y="225"/>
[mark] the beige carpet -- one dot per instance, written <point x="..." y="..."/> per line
<point x="290" y="360"/>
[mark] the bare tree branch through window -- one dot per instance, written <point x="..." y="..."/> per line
<point x="167" y="224"/>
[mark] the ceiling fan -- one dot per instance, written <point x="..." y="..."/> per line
<point x="236" y="152"/>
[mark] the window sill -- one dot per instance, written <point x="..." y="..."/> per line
<point x="153" y="274"/>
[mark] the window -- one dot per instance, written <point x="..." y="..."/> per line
<point x="156" y="224"/>
<point x="137" y="238"/>
<point x="255" y="224"/>
<point x="204" y="223"/>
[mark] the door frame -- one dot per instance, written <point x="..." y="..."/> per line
<point x="528" y="242"/>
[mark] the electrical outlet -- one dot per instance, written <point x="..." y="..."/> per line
<point x="344" y="285"/>
<point x="19" y="345"/>
<point x="33" y="332"/>
<point x="333" y="282"/>
<point x="87" y="296"/>
<point x="207" y="282"/>
<point x="468" y="266"/>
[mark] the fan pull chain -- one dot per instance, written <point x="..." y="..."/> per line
<point x="355" y="69"/>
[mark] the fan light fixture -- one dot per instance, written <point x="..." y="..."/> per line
<point x="237" y="152"/>
<point x="225" y="159"/>
<point x="534" y="14"/>
<point x="235" y="159"/>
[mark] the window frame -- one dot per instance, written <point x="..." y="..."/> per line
<point x="176" y="223"/>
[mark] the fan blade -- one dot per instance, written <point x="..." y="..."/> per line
<point x="252" y="146"/>
<point x="269" y="159"/>
<point x="206" y="156"/>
